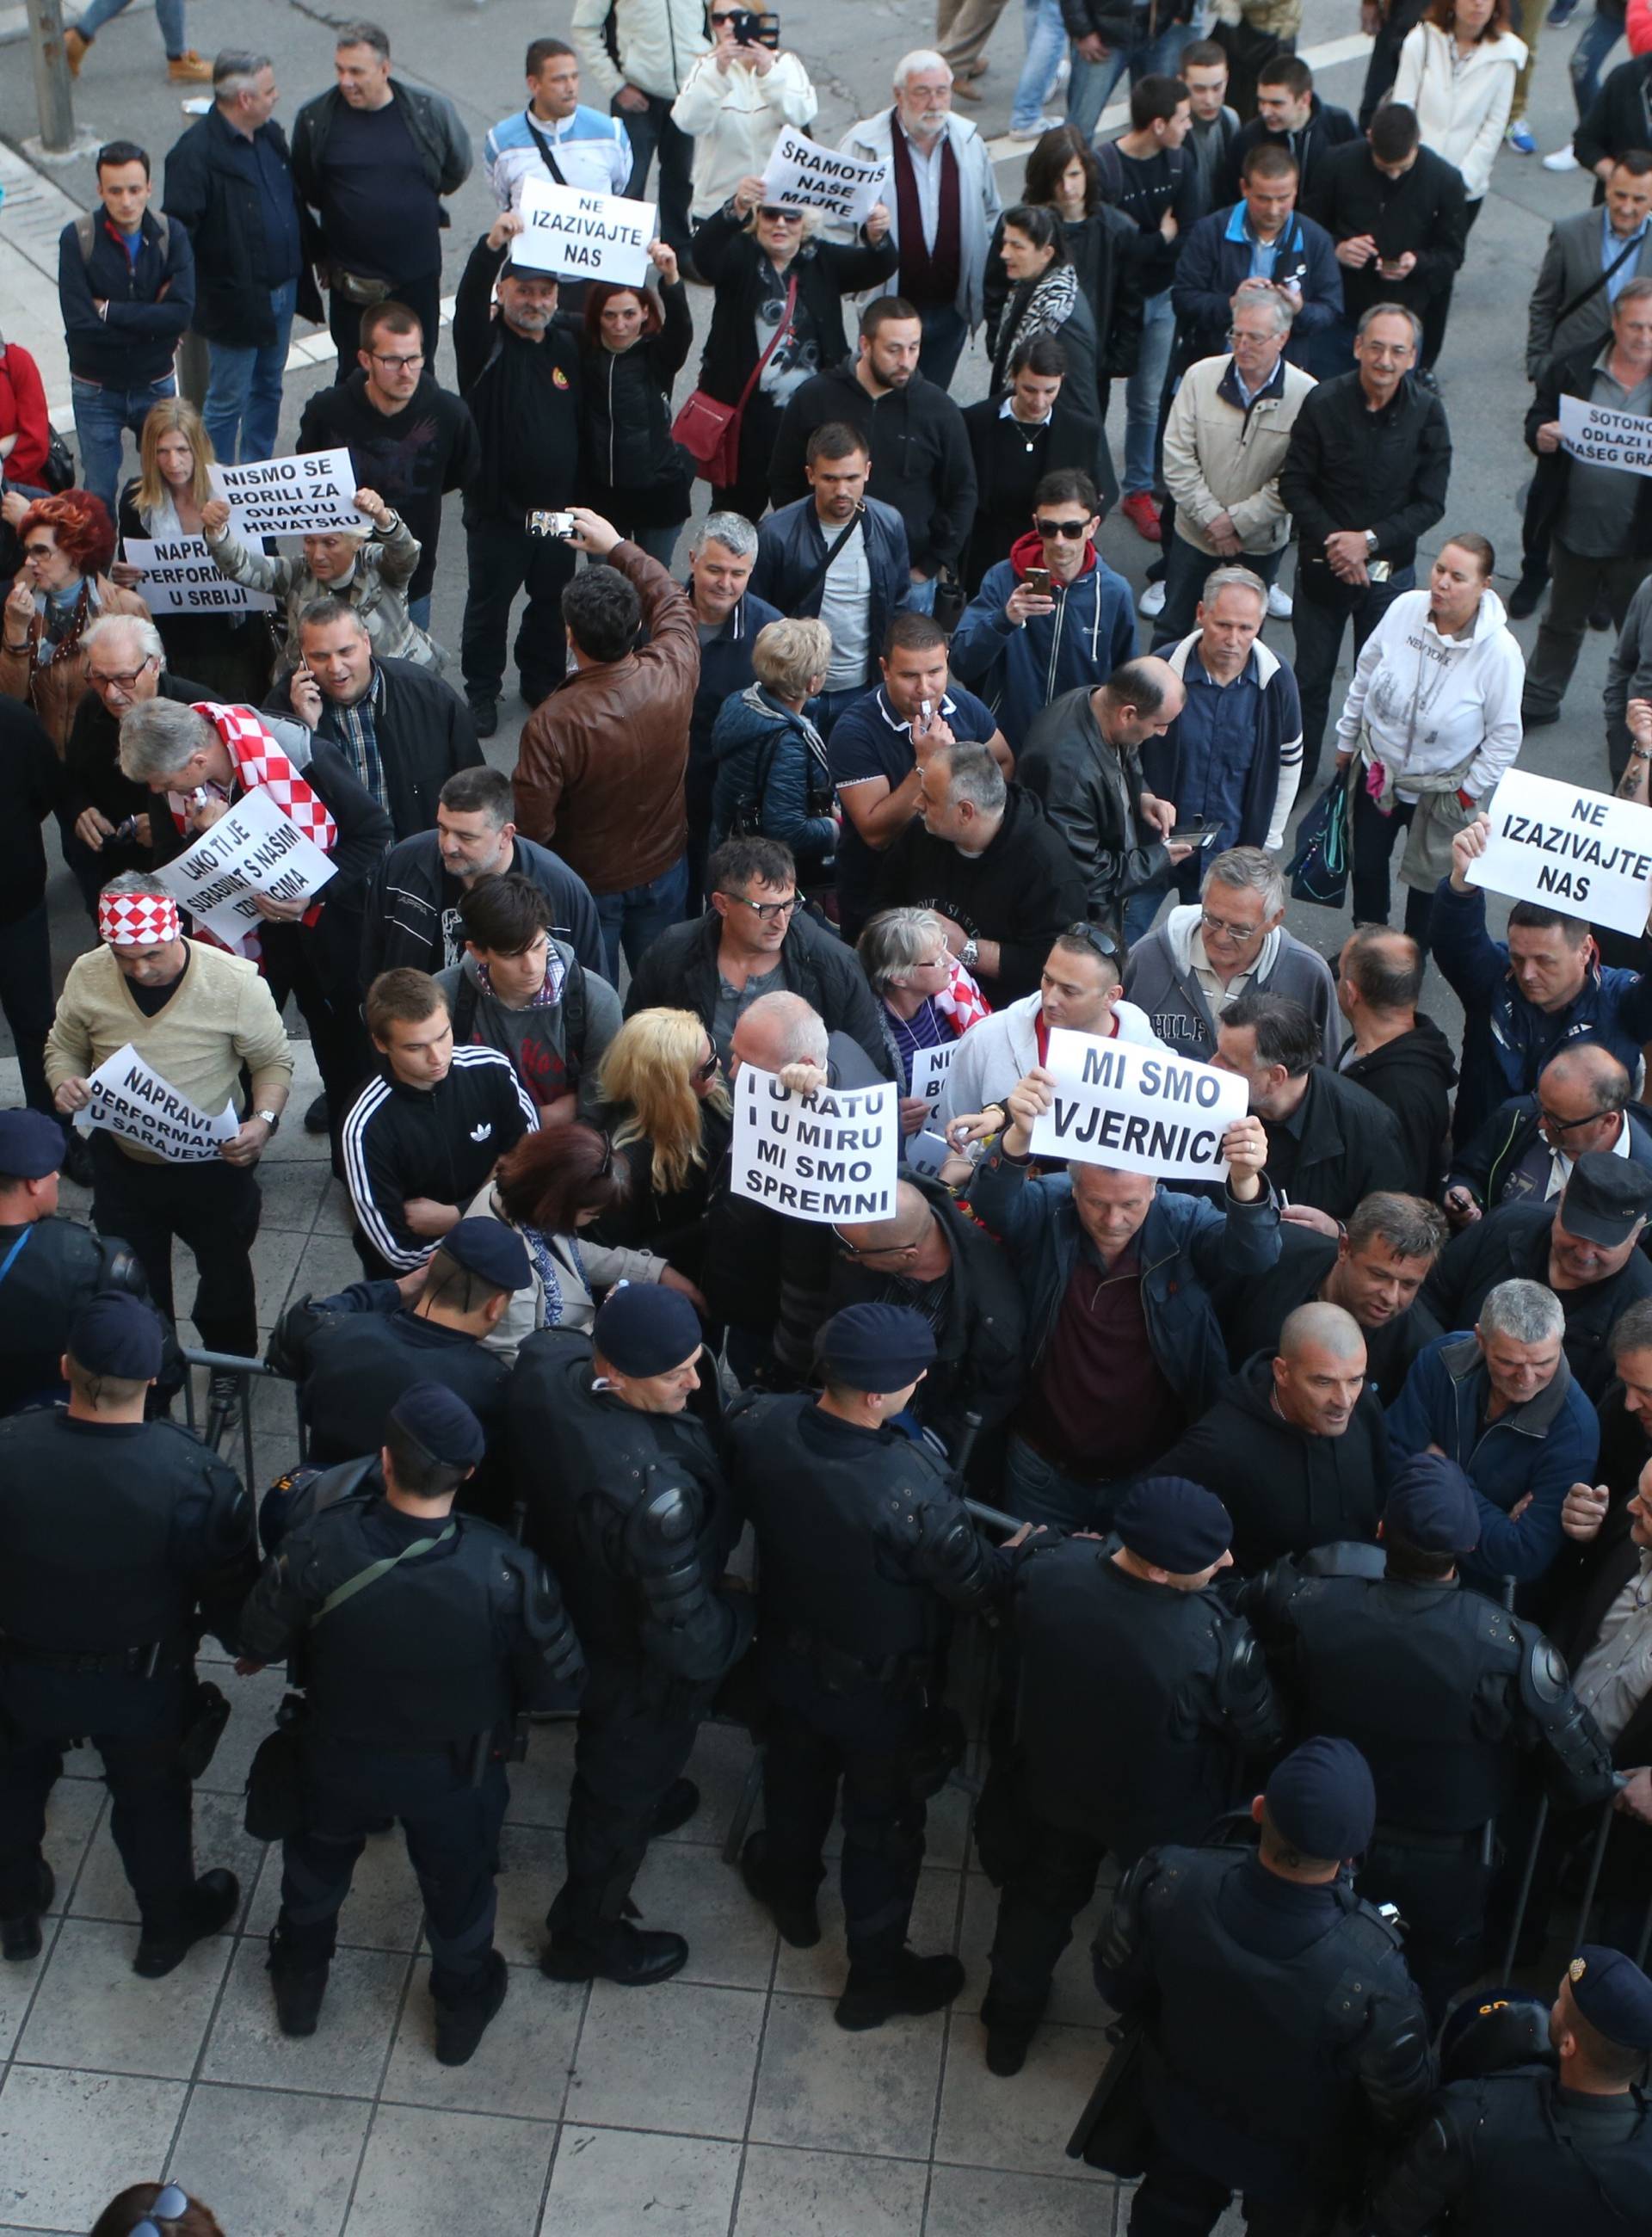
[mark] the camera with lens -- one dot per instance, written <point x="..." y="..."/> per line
<point x="755" y="27"/>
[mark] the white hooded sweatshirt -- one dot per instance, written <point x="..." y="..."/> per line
<point x="1428" y="702"/>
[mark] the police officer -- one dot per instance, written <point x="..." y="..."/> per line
<point x="418" y="1635"/>
<point x="863" y="1544"/>
<point x="49" y="1266"/>
<point x="1552" y="2144"/>
<point x="120" y="1541"/>
<point x="1442" y="1691"/>
<point x="627" y="1497"/>
<point x="1280" y="2025"/>
<point x="1176" y="1694"/>
<point x="354" y="1354"/>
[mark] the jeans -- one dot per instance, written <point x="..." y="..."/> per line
<point x="103" y="415"/>
<point x="649" y="128"/>
<point x="635" y="917"/>
<point x="1185" y="569"/>
<point x="1595" y="41"/>
<point x="919" y="598"/>
<point x="419" y="611"/>
<point x="1140" y="909"/>
<point x="1046" y="45"/>
<point x="169" y="14"/>
<point x="824" y="711"/>
<point x="1035" y="1490"/>
<point x="26" y="998"/>
<point x="1575" y="583"/>
<point x="945" y="334"/>
<point x="243" y="396"/>
<point x="659" y="543"/>
<point x="1091" y="82"/>
<point x="1318" y="627"/>
<point x="1144" y="391"/>
<point x="503" y="558"/>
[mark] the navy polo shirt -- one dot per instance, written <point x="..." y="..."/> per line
<point x="868" y="740"/>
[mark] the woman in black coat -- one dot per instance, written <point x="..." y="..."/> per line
<point x="1012" y="451"/>
<point x="633" y="343"/>
<point x="755" y="256"/>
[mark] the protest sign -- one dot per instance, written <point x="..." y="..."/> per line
<point x="1582" y="853"/>
<point x="253" y="849"/>
<point x="179" y="578"/>
<point x="566" y="230"/>
<point x="801" y="175"/>
<point x="131" y="1100"/>
<point x="828" y="1156"/>
<point x="929" y="1070"/>
<point x="1606" y="438"/>
<point x="310" y="496"/>
<point x="1121" y="1103"/>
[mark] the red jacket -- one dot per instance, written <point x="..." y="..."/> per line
<point x="22" y="413"/>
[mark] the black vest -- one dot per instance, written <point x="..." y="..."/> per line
<point x="361" y="1363"/>
<point x="1547" y="2164"/>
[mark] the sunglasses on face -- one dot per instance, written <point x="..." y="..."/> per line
<point x="1072" y="530"/>
<point x="706" y="1070"/>
<point x="775" y="215"/>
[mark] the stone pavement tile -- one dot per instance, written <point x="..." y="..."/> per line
<point x="979" y="2202"/>
<point x="292" y="1196"/>
<point x="539" y="1785"/>
<point x="612" y="2182"/>
<point x="16" y="1987"/>
<point x="93" y="2011"/>
<point x="222" y="1839"/>
<point x="330" y="1264"/>
<point x="71" y="1814"/>
<point x="678" y="2057"/>
<point x="382" y="1910"/>
<point x="690" y="1890"/>
<point x="821" y="1971"/>
<point x="459" y="2171"/>
<point x="534" y="1864"/>
<point x="1072" y="1998"/>
<point x="68" y="2142"/>
<point x="271" y="2160"/>
<point x="253" y="1704"/>
<point x="787" y="2194"/>
<point x="522" y="2066"/>
<point x="333" y="1215"/>
<point x="1022" y="2122"/>
<point x="821" y="2086"/>
<point x="345" y="2055"/>
<point x="275" y="1256"/>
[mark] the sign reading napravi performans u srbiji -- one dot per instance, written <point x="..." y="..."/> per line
<point x="829" y="1157"/>
<point x="311" y="494"/>
<point x="583" y="236"/>
<point x="801" y="175"/>
<point x="179" y="578"/>
<point x="255" y="849"/>
<point x="1137" y="1109"/>
<point x="1605" y="438"/>
<point x="131" y="1099"/>
<point x="1582" y="853"/>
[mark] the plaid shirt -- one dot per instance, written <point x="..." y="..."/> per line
<point x="351" y="730"/>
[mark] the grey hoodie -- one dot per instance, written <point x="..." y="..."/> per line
<point x="1160" y="980"/>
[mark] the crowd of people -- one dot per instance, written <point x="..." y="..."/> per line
<point x="1315" y="1549"/>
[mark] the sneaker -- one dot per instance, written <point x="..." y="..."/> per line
<point x="316" y="1120"/>
<point x="20" y="1933"/>
<point x="1520" y="137"/>
<point x="675" y="1807"/>
<point x="1142" y="514"/>
<point x="1029" y="132"/>
<point x="1562" y="160"/>
<point x="459" y="2027"/>
<point x="796" y="1916"/>
<point x="1281" y="605"/>
<point x="298" y="1989"/>
<point x="1561" y="14"/>
<point x="485" y="714"/>
<point x="879" y="1989"/>
<point x="75" y="46"/>
<point x="1151" y="600"/>
<point x="188" y="68"/>
<point x="208" y="1908"/>
<point x="631" y="1957"/>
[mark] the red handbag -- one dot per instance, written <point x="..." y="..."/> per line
<point x="709" y="430"/>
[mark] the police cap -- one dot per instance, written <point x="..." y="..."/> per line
<point x="116" y="1335"/>
<point x="1613" y="1995"/>
<point x="1174" y="1524"/>
<point x="1321" y="1799"/>
<point x="880" y="1348"/>
<point x="32" y="1145"/>
<point x="1431" y="1506"/>
<point x="441" y="1423"/>
<point x="490" y="1251"/>
<point x="646" y="1329"/>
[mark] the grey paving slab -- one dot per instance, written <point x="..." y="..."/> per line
<point x="280" y="2163"/>
<point x="18" y="1981"/>
<point x="1072" y="1997"/>
<point x="71" y="1814"/>
<point x="70" y="2141"/>
<point x="680" y="2057"/>
<point x="346" y="2055"/>
<point x="1022" y="2122"/>
<point x="612" y="2182"/>
<point x="425" y="2170"/>
<point x="689" y="1888"/>
<point x="522" y="2067"/>
<point x="221" y="1840"/>
<point x="982" y="2202"/>
<point x="824" y="2088"/>
<point x="791" y="2193"/>
<point x="534" y="1865"/>
<point x="94" y="2011"/>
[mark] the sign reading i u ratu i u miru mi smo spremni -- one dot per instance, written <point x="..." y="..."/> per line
<point x="1137" y="1109"/>
<point x="1584" y="854"/>
<point x="571" y="234"/>
<point x="827" y="1157"/>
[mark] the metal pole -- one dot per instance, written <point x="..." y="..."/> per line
<point x="51" y="77"/>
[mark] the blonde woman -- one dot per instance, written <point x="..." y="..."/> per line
<point x="771" y="777"/>
<point x="666" y="1110"/>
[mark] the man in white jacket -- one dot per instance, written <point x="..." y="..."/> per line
<point x="732" y="105"/>
<point x="943" y="205"/>
<point x="658" y="43"/>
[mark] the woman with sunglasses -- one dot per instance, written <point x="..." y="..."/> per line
<point x="778" y="306"/>
<point x="633" y="343"/>
<point x="926" y="997"/>
<point x="62" y="588"/>
<point x="666" y="1110"/>
<point x="734" y="103"/>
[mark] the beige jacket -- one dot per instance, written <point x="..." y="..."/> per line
<point x="1220" y="458"/>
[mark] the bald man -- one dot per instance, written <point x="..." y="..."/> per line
<point x="1525" y="1151"/>
<point x="1295" y="1448"/>
<point x="1393" y="1053"/>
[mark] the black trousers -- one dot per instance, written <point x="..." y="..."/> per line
<point x="212" y="1210"/>
<point x="1318" y="626"/>
<point x="450" y="1824"/>
<point x="1374" y="834"/>
<point x="748" y="493"/>
<point x="503" y="558"/>
<point x="652" y="131"/>
<point x="1441" y="1893"/>
<point x="635" y="1733"/>
<point x="1046" y="1885"/>
<point x="135" y="1726"/>
<point x="26" y="998"/>
<point x="316" y="965"/>
<point x="1179" y="2200"/>
<point x="422" y="296"/>
<point x="816" y="1740"/>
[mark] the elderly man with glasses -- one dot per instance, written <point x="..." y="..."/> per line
<point x="1525" y="1151"/>
<point x="105" y="820"/>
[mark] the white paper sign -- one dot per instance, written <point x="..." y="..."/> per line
<point x="1120" y="1103"/>
<point x="131" y="1100"/>
<point x="1582" y="853"/>
<point x="583" y="236"/>
<point x="801" y="175"/>
<point x="830" y="1157"/>
<point x="1606" y="438"/>
<point x="254" y="850"/>
<point x="310" y="495"/>
<point x="929" y="1070"/>
<point x="179" y="578"/>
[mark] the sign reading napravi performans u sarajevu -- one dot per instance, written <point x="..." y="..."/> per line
<point x="829" y="1157"/>
<point x="311" y="494"/>
<point x="578" y="235"/>
<point x="1604" y="437"/>
<point x="801" y="175"/>
<point x="1582" y="853"/>
<point x="128" y="1098"/>
<point x="1137" y="1109"/>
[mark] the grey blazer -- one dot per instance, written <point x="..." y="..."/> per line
<point x="1570" y="262"/>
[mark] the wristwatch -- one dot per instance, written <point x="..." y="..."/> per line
<point x="968" y="953"/>
<point x="1370" y="541"/>
<point x="271" y="1118"/>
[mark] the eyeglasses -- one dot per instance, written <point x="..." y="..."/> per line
<point x="1224" y="930"/>
<point x="38" y="551"/>
<point x="123" y="681"/>
<point x="1092" y="936"/>
<point x="397" y="364"/>
<point x="775" y="216"/>
<point x="766" y="912"/>
<point x="1567" y="1126"/>
<point x="878" y="1251"/>
<point x="706" y="1070"/>
<point x="171" y="2204"/>
<point x="1072" y="530"/>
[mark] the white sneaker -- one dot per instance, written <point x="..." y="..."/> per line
<point x="1151" y="600"/>
<point x="1029" y="132"/>
<point x="1280" y="606"/>
<point x="1562" y="160"/>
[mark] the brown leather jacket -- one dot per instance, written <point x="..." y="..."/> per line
<point x="599" y="770"/>
<point x="55" y="692"/>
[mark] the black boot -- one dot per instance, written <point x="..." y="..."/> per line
<point x="795" y="1915"/>
<point x="20" y="1931"/>
<point x="880" y="1989"/>
<point x="675" y="1807"/>
<point x="208" y="1908"/>
<point x="1010" y="2030"/>
<point x="298" y="1989"/>
<point x="627" y="1955"/>
<point x="460" y="2026"/>
<point x="1526" y="595"/>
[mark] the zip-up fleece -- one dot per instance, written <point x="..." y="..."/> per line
<point x="1159" y="976"/>
<point x="440" y="1142"/>
<point x="1018" y="670"/>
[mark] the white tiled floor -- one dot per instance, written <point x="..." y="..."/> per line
<point x="724" y="2104"/>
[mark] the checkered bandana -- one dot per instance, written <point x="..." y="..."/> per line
<point x="260" y="760"/>
<point x="136" y="920"/>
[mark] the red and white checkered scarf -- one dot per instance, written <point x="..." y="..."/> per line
<point x="963" y="1004"/>
<point x="260" y="760"/>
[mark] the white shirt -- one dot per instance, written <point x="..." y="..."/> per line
<point x="1560" y="1165"/>
<point x="845" y="602"/>
<point x="1615" y="1676"/>
<point x="926" y="173"/>
<point x="1209" y="986"/>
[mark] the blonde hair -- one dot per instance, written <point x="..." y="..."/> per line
<point x="173" y="415"/>
<point x="648" y="1067"/>
<point x="788" y="655"/>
